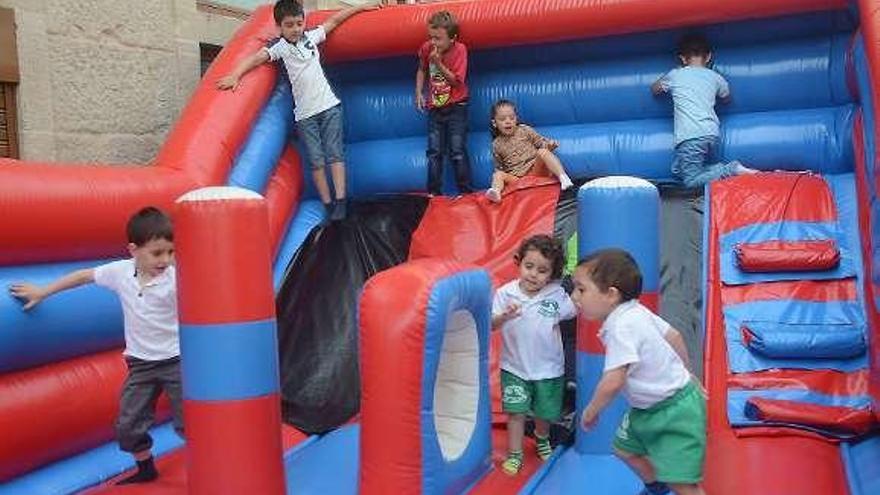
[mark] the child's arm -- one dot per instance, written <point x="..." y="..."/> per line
<point x="338" y="18"/>
<point x="540" y="141"/>
<point x="32" y="294"/>
<point x="611" y="383"/>
<point x="661" y="85"/>
<point x="455" y="73"/>
<point x="675" y="340"/>
<point x="420" y="88"/>
<point x="509" y="313"/>
<point x="231" y="80"/>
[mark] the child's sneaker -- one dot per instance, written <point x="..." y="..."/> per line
<point x="543" y="448"/>
<point x="493" y="195"/>
<point x="655" y="488"/>
<point x="513" y="464"/>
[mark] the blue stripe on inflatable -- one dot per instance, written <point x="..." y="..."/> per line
<point x="862" y="463"/>
<point x="605" y="86"/>
<point x="736" y="401"/>
<point x="845" y="231"/>
<point x="815" y="139"/>
<point x="266" y="142"/>
<point x="788" y="311"/>
<point x="87" y="469"/>
<point x="328" y="465"/>
<point x="626" y="217"/>
<point x="594" y="474"/>
<point x="470" y="291"/>
<point x="864" y="83"/>
<point x="308" y="216"/>
<point x="598" y="440"/>
<point x="72" y="323"/>
<point x="230" y="361"/>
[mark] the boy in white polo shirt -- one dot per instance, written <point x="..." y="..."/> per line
<point x="146" y="285"/>
<point x="318" y="112"/>
<point x="663" y="435"/>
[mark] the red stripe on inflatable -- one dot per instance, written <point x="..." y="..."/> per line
<point x="399" y="30"/>
<point x="282" y="195"/>
<point x="223" y="252"/>
<point x="772" y="197"/>
<point x="803" y="290"/>
<point x="588" y="331"/>
<point x="57" y="410"/>
<point x="866" y="212"/>
<point x="840" y="419"/>
<point x="787" y="256"/>
<point x="827" y="382"/>
<point x="392" y="323"/>
<point x="241" y="454"/>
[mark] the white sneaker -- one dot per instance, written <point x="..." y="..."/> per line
<point x="493" y="195"/>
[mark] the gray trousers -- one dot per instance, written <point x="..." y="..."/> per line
<point x="137" y="404"/>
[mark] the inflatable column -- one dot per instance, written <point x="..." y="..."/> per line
<point x="228" y="343"/>
<point x="614" y="212"/>
<point x="425" y="414"/>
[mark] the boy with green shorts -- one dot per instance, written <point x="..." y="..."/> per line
<point x="663" y="435"/>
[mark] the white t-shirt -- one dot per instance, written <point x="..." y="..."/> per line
<point x="149" y="313"/>
<point x="532" y="345"/>
<point x="635" y="336"/>
<point x="311" y="91"/>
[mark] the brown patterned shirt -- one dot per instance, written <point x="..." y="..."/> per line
<point x="515" y="154"/>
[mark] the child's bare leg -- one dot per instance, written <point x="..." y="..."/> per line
<point x="494" y="192"/>
<point x="515" y="430"/>
<point x="320" y="179"/>
<point x="640" y="464"/>
<point x="542" y="428"/>
<point x="549" y="159"/>
<point x="686" y="489"/>
<point x="337" y="172"/>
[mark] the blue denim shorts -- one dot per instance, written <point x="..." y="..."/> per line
<point x="321" y="134"/>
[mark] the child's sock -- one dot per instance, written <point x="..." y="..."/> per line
<point x="565" y="181"/>
<point x="656" y="488"/>
<point x="146" y="472"/>
<point x="493" y="195"/>
<point x="513" y="463"/>
<point x="543" y="447"/>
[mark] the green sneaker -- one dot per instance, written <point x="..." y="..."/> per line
<point x="513" y="464"/>
<point x="543" y="448"/>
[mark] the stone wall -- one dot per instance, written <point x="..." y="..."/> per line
<point x="104" y="80"/>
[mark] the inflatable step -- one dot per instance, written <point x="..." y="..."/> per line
<point x="787" y="256"/>
<point x="804" y="341"/>
<point x="833" y="419"/>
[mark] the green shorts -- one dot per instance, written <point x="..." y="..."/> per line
<point x="672" y="434"/>
<point x="543" y="398"/>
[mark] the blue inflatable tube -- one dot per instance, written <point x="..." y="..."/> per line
<point x="72" y="323"/>
<point x="309" y="215"/>
<point x="264" y="146"/>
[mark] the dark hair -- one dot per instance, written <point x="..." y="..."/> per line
<point x="444" y="20"/>
<point x="494" y="111"/>
<point x="287" y="8"/>
<point x="147" y="224"/>
<point x="694" y="45"/>
<point x="614" y="268"/>
<point x="549" y="248"/>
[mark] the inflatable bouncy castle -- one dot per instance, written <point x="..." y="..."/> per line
<point x="357" y="357"/>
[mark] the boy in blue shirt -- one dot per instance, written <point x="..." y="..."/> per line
<point x="694" y="87"/>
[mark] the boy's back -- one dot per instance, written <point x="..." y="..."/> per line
<point x="693" y="91"/>
<point x="635" y="336"/>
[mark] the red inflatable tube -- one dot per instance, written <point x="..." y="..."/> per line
<point x="842" y="419"/>
<point x="399" y="30"/>
<point x="54" y="411"/>
<point x="787" y="256"/>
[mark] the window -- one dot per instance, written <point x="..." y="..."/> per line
<point x="8" y="83"/>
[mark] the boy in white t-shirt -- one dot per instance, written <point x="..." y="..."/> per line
<point x="528" y="310"/>
<point x="146" y="285"/>
<point x="318" y="112"/>
<point x="663" y="435"/>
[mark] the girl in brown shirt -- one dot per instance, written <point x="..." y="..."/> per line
<point x="517" y="149"/>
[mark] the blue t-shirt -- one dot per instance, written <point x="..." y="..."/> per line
<point x="693" y="91"/>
